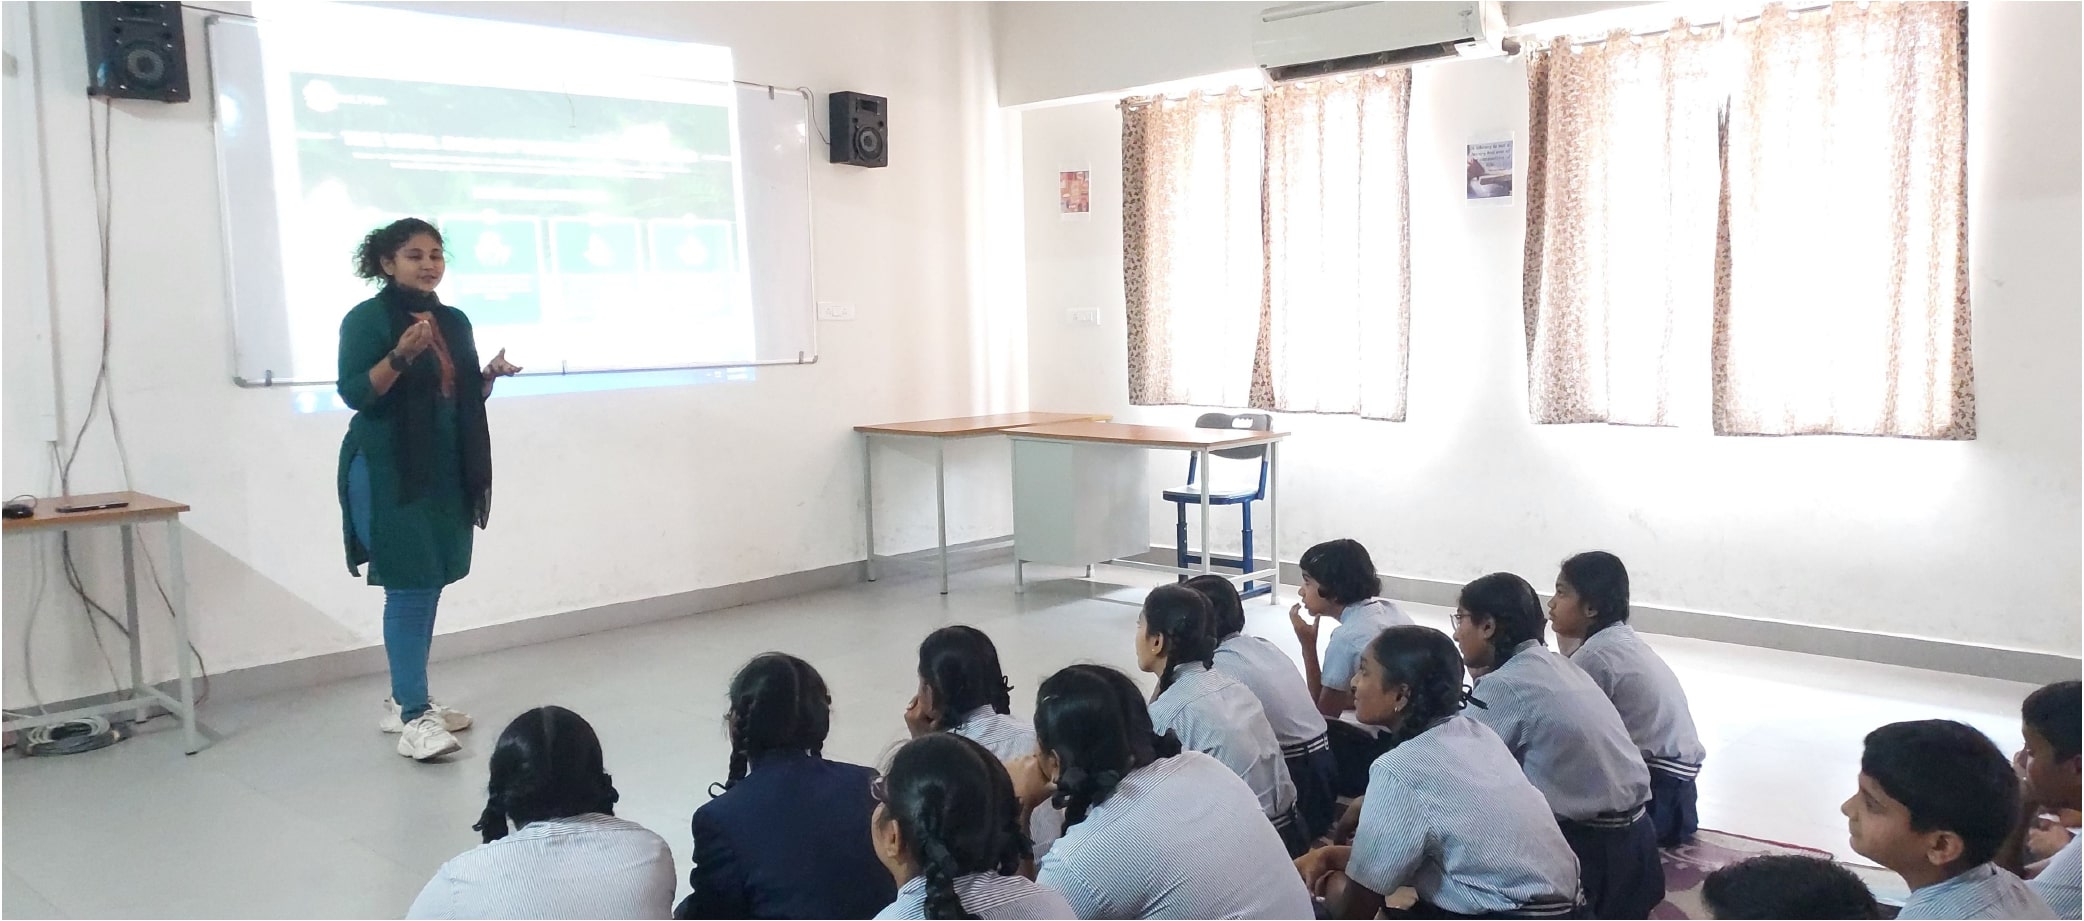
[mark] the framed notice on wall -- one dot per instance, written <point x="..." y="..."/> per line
<point x="1489" y="170"/>
<point x="1075" y="194"/>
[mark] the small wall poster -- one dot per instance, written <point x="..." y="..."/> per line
<point x="1490" y="170"/>
<point x="1074" y="193"/>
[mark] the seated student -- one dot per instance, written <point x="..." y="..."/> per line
<point x="962" y="690"/>
<point x="1150" y="831"/>
<point x="1209" y="711"/>
<point x="2051" y="723"/>
<point x="1448" y="812"/>
<point x="1591" y="606"/>
<point x="1272" y="677"/>
<point x="567" y="856"/>
<point x="1570" y="740"/>
<point x="785" y="836"/>
<point x="1339" y="582"/>
<point x="1787" y="886"/>
<point x="947" y="827"/>
<point x="1936" y="801"/>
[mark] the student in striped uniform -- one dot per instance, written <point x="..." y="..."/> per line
<point x="1150" y="831"/>
<point x="2051" y="722"/>
<point x="947" y="827"/>
<point x="1448" y="812"/>
<point x="962" y="690"/>
<point x="1591" y="607"/>
<point x="1935" y="803"/>
<point x="1570" y="740"/>
<point x="567" y="855"/>
<point x="1272" y="677"/>
<point x="1211" y="712"/>
<point x="1339" y="582"/>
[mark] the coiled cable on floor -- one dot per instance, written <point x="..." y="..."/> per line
<point x="71" y="737"/>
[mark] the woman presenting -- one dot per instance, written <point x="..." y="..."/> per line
<point x="416" y="467"/>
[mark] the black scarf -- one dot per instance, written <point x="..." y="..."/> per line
<point x="419" y="387"/>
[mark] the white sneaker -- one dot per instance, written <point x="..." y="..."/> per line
<point x="394" y="718"/>
<point x="424" y="739"/>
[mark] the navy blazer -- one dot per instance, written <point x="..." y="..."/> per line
<point x="790" y="840"/>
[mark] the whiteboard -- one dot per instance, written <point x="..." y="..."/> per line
<point x="774" y="132"/>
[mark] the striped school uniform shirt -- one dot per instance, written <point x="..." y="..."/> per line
<point x="584" y="866"/>
<point x="1566" y="735"/>
<point x="1359" y="624"/>
<point x="1216" y="715"/>
<point x="1450" y="814"/>
<point x="1008" y="737"/>
<point x="1180" y="838"/>
<point x="986" y="895"/>
<point x="1649" y="697"/>
<point x="1984" y="892"/>
<point x="2059" y="881"/>
<point x="1271" y="676"/>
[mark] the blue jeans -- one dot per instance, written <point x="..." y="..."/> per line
<point x="408" y="612"/>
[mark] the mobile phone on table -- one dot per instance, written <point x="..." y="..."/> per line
<point x="104" y="506"/>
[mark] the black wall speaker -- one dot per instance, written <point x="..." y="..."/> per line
<point x="136" y="51"/>
<point x="860" y="129"/>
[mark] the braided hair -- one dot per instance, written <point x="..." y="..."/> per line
<point x="1428" y="666"/>
<point x="547" y="765"/>
<point x="1602" y="585"/>
<point x="1226" y="608"/>
<point x="1093" y="721"/>
<point x="961" y="666"/>
<point x="778" y="703"/>
<point x="1181" y="616"/>
<point x="1509" y="602"/>
<point x="956" y="813"/>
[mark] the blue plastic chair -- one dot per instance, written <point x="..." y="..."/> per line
<point x="1191" y="493"/>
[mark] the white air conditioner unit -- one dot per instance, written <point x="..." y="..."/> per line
<point x="1298" y="41"/>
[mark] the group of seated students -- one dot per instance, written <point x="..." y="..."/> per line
<point x="1374" y="781"/>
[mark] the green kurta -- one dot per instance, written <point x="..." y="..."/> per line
<point x="425" y="543"/>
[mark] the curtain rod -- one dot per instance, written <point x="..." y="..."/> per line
<point x="1604" y="37"/>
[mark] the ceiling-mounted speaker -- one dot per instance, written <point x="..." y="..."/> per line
<point x="860" y="129"/>
<point x="135" y="51"/>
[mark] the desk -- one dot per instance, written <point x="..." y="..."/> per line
<point x="940" y="431"/>
<point x="142" y="509"/>
<point x="1078" y="490"/>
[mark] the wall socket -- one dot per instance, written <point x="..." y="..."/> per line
<point x="829" y="310"/>
<point x="1087" y="317"/>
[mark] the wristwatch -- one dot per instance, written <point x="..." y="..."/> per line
<point x="399" y="363"/>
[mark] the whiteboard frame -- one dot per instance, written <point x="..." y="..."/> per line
<point x="809" y="357"/>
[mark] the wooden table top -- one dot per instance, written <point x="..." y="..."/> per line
<point x="141" y="508"/>
<point x="1148" y="436"/>
<point x="978" y="425"/>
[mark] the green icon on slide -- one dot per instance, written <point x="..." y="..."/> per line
<point x="594" y="247"/>
<point x="692" y="246"/>
<point x="492" y="246"/>
<point x="494" y="264"/>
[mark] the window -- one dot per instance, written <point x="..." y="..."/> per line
<point x="1820" y="251"/>
<point x="1265" y="241"/>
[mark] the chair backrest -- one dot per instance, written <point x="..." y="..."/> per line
<point x="1256" y="422"/>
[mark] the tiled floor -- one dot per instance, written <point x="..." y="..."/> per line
<point x="306" y="811"/>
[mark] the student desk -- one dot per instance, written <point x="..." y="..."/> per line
<point x="142" y="509"/>
<point x="940" y="432"/>
<point x="1080" y="493"/>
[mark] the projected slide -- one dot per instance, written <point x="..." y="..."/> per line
<point x="618" y="248"/>
<point x="590" y="187"/>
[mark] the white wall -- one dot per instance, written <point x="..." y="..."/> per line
<point x="1974" y="542"/>
<point x="602" y="497"/>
